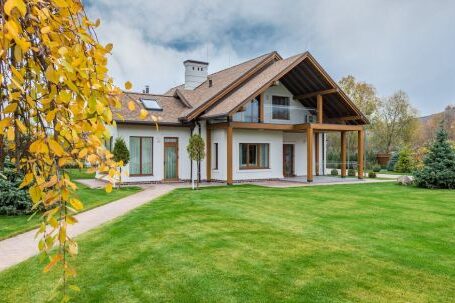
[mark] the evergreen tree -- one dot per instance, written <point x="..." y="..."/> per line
<point x="196" y="151"/>
<point x="121" y="153"/>
<point x="405" y="163"/>
<point x="439" y="165"/>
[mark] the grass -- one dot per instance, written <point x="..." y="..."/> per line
<point x="346" y="243"/>
<point x="92" y="197"/>
<point x="79" y="173"/>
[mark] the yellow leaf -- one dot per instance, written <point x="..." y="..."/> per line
<point x="76" y="204"/>
<point x="61" y="3"/>
<point x="143" y="114"/>
<point x="53" y="261"/>
<point x="109" y="47"/>
<point x="11" y="108"/>
<point x="35" y="194"/>
<point x="108" y="187"/>
<point x="27" y="180"/>
<point x="21" y="126"/>
<point x="45" y="29"/>
<point x="83" y="153"/>
<point x="19" y="4"/>
<point x="10" y="134"/>
<point x="131" y="105"/>
<point x="128" y="85"/>
<point x="56" y="148"/>
<point x="53" y="222"/>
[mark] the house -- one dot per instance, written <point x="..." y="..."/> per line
<point x="265" y="118"/>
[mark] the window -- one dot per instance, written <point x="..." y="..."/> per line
<point x="254" y="155"/>
<point x="250" y="112"/>
<point x="215" y="157"/>
<point x="151" y="104"/>
<point x="141" y="156"/>
<point x="280" y="108"/>
<point x="108" y="144"/>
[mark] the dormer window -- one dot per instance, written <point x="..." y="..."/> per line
<point x="151" y="104"/>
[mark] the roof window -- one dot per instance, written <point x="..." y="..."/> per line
<point x="151" y="104"/>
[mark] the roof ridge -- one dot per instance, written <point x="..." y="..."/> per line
<point x="232" y="66"/>
<point x="148" y="94"/>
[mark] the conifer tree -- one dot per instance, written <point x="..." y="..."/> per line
<point x="439" y="164"/>
<point x="121" y="155"/>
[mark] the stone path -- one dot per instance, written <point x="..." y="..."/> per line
<point x="19" y="248"/>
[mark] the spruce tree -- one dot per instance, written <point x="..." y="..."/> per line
<point x="439" y="164"/>
<point x="121" y="153"/>
<point x="405" y="163"/>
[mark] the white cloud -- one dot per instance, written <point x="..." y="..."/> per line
<point x="391" y="44"/>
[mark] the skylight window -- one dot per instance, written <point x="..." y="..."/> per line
<point x="151" y="104"/>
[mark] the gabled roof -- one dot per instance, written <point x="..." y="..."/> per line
<point x="172" y="109"/>
<point x="224" y="92"/>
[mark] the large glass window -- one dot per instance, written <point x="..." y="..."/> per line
<point x="141" y="155"/>
<point x="254" y="155"/>
<point x="280" y="108"/>
<point x="249" y="113"/>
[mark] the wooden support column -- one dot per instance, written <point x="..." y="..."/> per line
<point x="360" y="152"/>
<point x="309" y="154"/>
<point x="261" y="108"/>
<point x="319" y="108"/>
<point x="229" y="155"/>
<point x="208" y="143"/>
<point x="343" y="154"/>
<point x="316" y="151"/>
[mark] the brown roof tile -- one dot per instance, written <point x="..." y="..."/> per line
<point x="172" y="108"/>
<point x="227" y="104"/>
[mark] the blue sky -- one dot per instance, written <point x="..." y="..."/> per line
<point x="408" y="45"/>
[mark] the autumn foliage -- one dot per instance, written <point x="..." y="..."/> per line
<point x="55" y="92"/>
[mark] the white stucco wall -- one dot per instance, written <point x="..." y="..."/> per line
<point x="300" y="150"/>
<point x="298" y="111"/>
<point x="219" y="136"/>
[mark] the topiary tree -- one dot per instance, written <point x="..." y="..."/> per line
<point x="196" y="151"/>
<point x="439" y="165"/>
<point x="121" y="154"/>
<point x="393" y="160"/>
<point x="405" y="163"/>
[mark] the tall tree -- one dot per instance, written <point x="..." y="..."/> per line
<point x="54" y="89"/>
<point x="396" y="123"/>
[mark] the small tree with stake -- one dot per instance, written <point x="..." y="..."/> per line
<point x="196" y="151"/>
<point x="439" y="164"/>
<point x="121" y="154"/>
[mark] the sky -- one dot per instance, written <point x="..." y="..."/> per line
<point x="393" y="45"/>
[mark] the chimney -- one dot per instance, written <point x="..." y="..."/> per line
<point x="195" y="73"/>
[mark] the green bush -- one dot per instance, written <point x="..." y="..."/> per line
<point x="13" y="201"/>
<point x="371" y="174"/>
<point x="405" y="163"/>
<point x="377" y="168"/>
<point x="393" y="160"/>
<point x="334" y="172"/>
<point x="351" y="172"/>
<point x="439" y="165"/>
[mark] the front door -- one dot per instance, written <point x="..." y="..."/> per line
<point x="288" y="160"/>
<point x="171" y="158"/>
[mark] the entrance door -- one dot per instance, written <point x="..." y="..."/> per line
<point x="171" y="158"/>
<point x="288" y="160"/>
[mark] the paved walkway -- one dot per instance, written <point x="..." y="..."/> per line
<point x="20" y="248"/>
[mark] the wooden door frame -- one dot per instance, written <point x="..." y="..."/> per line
<point x="170" y="144"/>
<point x="293" y="160"/>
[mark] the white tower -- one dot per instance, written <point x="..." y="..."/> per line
<point x="195" y="73"/>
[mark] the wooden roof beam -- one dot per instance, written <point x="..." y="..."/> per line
<point x="346" y="118"/>
<point x="318" y="93"/>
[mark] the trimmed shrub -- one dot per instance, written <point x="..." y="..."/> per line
<point x="13" y="201"/>
<point x="371" y="174"/>
<point x="439" y="165"/>
<point x="405" y="163"/>
<point x="351" y="172"/>
<point x="376" y="168"/>
<point x="393" y="160"/>
<point x="334" y="172"/>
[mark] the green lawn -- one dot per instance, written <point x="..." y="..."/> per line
<point x="13" y="225"/>
<point x="79" y="173"/>
<point x="346" y="243"/>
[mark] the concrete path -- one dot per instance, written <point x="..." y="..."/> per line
<point x="19" y="248"/>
